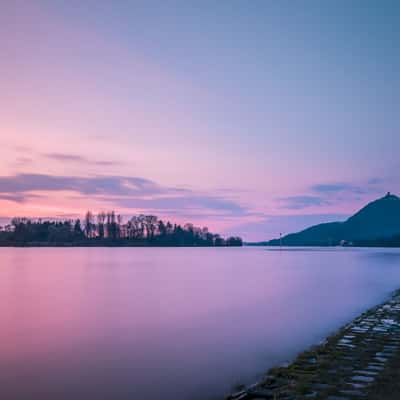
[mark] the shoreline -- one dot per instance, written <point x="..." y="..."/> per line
<point x="354" y="246"/>
<point x="107" y="244"/>
<point x="144" y="244"/>
<point x="359" y="361"/>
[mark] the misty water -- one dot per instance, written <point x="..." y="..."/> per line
<point x="172" y="323"/>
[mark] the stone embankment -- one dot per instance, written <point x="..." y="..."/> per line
<point x="349" y="365"/>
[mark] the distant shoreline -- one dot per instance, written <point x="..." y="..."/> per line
<point x="107" y="244"/>
<point x="359" y="245"/>
<point x="110" y="231"/>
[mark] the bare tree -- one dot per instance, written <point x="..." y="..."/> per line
<point x="101" y="217"/>
<point x="150" y="225"/>
<point x="89" y="225"/>
<point x="119" y="226"/>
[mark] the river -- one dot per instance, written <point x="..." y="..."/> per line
<point x="172" y="323"/>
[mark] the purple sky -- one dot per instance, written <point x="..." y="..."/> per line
<point x="250" y="118"/>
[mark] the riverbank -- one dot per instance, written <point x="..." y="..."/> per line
<point x="109" y="244"/>
<point x="361" y="361"/>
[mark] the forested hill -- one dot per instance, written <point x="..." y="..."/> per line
<point x="377" y="222"/>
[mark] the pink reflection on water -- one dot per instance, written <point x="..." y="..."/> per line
<point x="171" y="323"/>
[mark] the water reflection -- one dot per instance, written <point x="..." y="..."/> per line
<point x="171" y="323"/>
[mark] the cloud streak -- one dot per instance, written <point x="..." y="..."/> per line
<point x="190" y="203"/>
<point x="18" y="197"/>
<point x="126" y="192"/>
<point x="302" y="202"/>
<point x="116" y="185"/>
<point x="336" y="187"/>
<point x="64" y="157"/>
<point x="376" y="181"/>
<point x="271" y="226"/>
<point x="332" y="194"/>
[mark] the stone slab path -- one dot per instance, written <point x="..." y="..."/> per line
<point x="345" y="367"/>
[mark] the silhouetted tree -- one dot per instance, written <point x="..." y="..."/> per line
<point x="161" y="229"/>
<point x="101" y="217"/>
<point x="150" y="223"/>
<point x="234" y="241"/>
<point x="218" y="241"/>
<point x="89" y="225"/>
<point x="119" y="226"/>
<point x="139" y="230"/>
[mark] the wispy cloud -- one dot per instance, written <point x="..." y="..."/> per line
<point x="22" y="161"/>
<point x="196" y="205"/>
<point x="22" y="149"/>
<point x="75" y="158"/>
<point x="126" y="192"/>
<point x="337" y="187"/>
<point x="332" y="194"/>
<point x="18" y="197"/>
<point x="271" y="226"/>
<point x="115" y="185"/>
<point x="369" y="186"/>
<point x="301" y="202"/>
<point x="376" y="181"/>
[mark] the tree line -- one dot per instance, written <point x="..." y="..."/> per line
<point x="392" y="241"/>
<point x="110" y="229"/>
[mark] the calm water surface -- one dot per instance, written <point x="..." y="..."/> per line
<point x="121" y="323"/>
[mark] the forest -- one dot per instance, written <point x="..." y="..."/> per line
<point x="109" y="229"/>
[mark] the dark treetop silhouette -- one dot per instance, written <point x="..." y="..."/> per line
<point x="108" y="229"/>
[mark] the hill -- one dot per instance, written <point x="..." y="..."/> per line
<point x="377" y="220"/>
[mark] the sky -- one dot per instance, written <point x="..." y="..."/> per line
<point x="251" y="118"/>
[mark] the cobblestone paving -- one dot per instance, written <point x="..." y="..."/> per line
<point x="344" y="367"/>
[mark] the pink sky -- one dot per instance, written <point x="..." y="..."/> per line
<point x="225" y="129"/>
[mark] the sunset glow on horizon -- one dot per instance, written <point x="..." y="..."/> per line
<point x="249" y="118"/>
